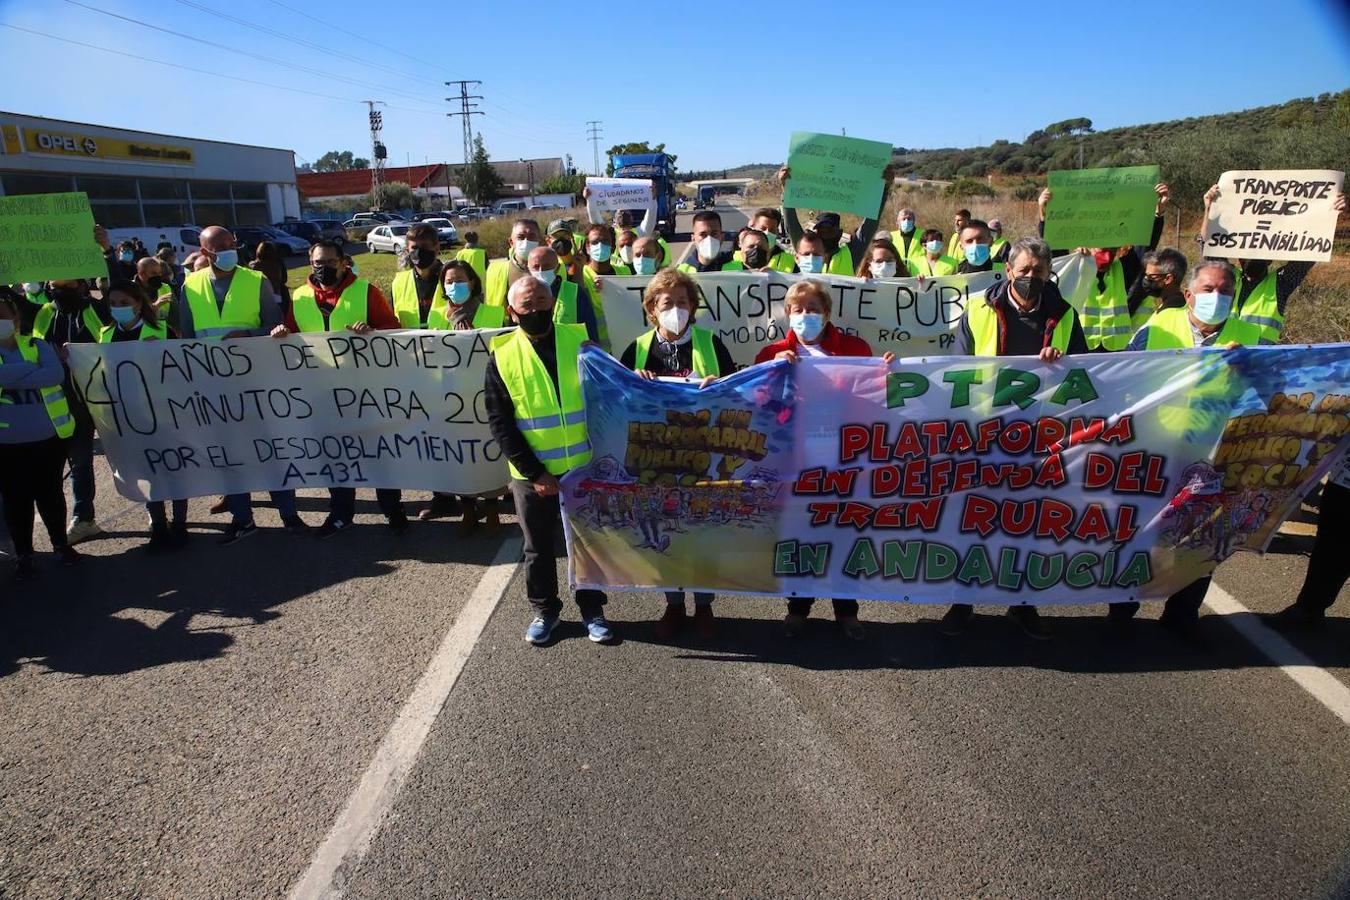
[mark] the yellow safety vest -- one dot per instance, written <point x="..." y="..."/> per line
<point x="734" y="265"/>
<point x="1261" y="307"/>
<point x="1106" y="314"/>
<point x="565" y="310"/>
<point x="158" y="331"/>
<point x="409" y="309"/>
<point x="54" y="398"/>
<point x="841" y="263"/>
<point x="705" y="353"/>
<point x="239" y="312"/>
<point x="489" y="316"/>
<point x="476" y="257"/>
<point x="597" y="306"/>
<point x="667" y="259"/>
<point x="551" y="417"/>
<point x="47" y="315"/>
<point x="496" y="281"/>
<point x="926" y="268"/>
<point x="983" y="322"/>
<point x="350" y="308"/>
<point x="1170" y="329"/>
<point x="997" y="246"/>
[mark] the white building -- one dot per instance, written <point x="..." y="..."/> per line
<point x="134" y="178"/>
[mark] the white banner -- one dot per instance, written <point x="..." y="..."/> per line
<point x="619" y="193"/>
<point x="399" y="409"/>
<point x="911" y="317"/>
<point x="1274" y="215"/>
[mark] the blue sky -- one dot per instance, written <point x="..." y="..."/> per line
<point x="914" y="74"/>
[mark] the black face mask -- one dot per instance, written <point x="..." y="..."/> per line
<point x="1029" y="288"/>
<point x="562" y="247"/>
<point x="757" y="257"/>
<point x="66" y="298"/>
<point x="154" y="283"/>
<point x="326" y="275"/>
<point x="424" y="258"/>
<point x="1256" y="269"/>
<point x="535" y="323"/>
<point x="1152" y="288"/>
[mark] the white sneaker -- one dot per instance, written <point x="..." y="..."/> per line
<point x="82" y="531"/>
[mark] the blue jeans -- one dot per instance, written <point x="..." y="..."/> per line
<point x="80" y="452"/>
<point x="241" y="506"/>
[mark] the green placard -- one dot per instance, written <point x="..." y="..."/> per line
<point x="1101" y="207"/>
<point x="45" y="237"/>
<point x="836" y="174"/>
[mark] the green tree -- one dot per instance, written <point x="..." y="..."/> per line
<point x="340" y="161"/>
<point x="394" y="195"/>
<point x="561" y="184"/>
<point x="480" y="181"/>
<point x="968" y="187"/>
<point x="637" y="147"/>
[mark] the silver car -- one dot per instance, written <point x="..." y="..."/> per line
<point x="387" y="238"/>
<point x="445" y="230"/>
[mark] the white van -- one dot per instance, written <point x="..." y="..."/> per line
<point x="510" y="206"/>
<point x="184" y="238"/>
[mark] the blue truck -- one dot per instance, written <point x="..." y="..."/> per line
<point x="657" y="167"/>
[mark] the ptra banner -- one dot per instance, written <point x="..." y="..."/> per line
<point x="907" y="316"/>
<point x="197" y="418"/>
<point x="1095" y="479"/>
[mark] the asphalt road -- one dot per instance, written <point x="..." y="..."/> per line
<point x="192" y="725"/>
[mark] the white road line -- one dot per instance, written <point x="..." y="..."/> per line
<point x="356" y="826"/>
<point x="1321" y="684"/>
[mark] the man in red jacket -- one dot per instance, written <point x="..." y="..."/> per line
<point x="811" y="333"/>
<point x="334" y="299"/>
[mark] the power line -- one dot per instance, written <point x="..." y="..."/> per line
<point x="281" y="35"/>
<point x="594" y="132"/>
<point x="466" y="113"/>
<point x="257" y="56"/>
<point x="173" y="65"/>
<point x="365" y="38"/>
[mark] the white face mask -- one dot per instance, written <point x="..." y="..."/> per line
<point x="673" y="320"/>
<point x="6" y="329"/>
<point x="545" y="276"/>
<point x="710" y="246"/>
<point x="626" y="253"/>
<point x="524" y="246"/>
<point x="882" y="269"/>
<point x="32" y="287"/>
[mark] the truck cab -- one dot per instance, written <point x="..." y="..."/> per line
<point x="655" y="166"/>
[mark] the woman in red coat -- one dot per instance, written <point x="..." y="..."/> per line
<point x="810" y="333"/>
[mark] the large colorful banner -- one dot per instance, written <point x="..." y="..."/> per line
<point x="196" y="418"/>
<point x="1101" y="478"/>
<point x="914" y="317"/>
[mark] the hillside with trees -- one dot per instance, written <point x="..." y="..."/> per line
<point x="1308" y="133"/>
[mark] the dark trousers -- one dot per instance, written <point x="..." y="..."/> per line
<point x="30" y="478"/>
<point x="241" y="506"/>
<point x="701" y="598"/>
<point x="1329" y="565"/>
<point x="158" y="519"/>
<point x="541" y="525"/>
<point x="801" y="606"/>
<point x="1183" y="605"/>
<point x="80" y="451"/>
<point x="342" y="502"/>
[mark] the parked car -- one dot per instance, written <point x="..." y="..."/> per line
<point x="331" y="228"/>
<point x="288" y="243"/>
<point x="386" y="238"/>
<point x="442" y="214"/>
<point x="306" y="231"/>
<point x="473" y="213"/>
<point x="510" y="206"/>
<point x="357" y="229"/>
<point x="445" y="230"/>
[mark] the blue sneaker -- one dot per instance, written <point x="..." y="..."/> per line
<point x="541" y="629"/>
<point x="598" y="630"/>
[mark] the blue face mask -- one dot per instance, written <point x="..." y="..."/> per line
<point x="934" y="246"/>
<point x="126" y="256"/>
<point x="644" y="265"/>
<point x="1212" y="307"/>
<point x="123" y="315"/>
<point x="907" y="225"/>
<point x="457" y="292"/>
<point x="977" y="254"/>
<point x="808" y="326"/>
<point x="811" y="265"/>
<point x="226" y="260"/>
<point x="601" y="252"/>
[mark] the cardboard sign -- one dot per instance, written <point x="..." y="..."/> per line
<point x="1276" y="214"/>
<point x="1101" y="207"/>
<point x="620" y="193"/>
<point x="836" y="174"/>
<point x="45" y="237"/>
